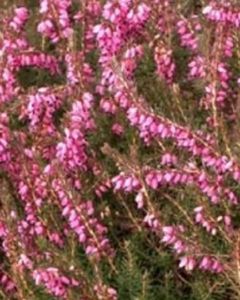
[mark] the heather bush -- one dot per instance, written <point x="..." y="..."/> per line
<point x="119" y="150"/>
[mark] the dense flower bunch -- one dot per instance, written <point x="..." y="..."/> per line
<point x="54" y="282"/>
<point x="133" y="131"/>
<point x="55" y="22"/>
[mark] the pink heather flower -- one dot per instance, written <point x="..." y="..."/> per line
<point x="20" y="18"/>
<point x="103" y="187"/>
<point x="108" y="106"/>
<point x="222" y="13"/>
<point x="54" y="282"/>
<point x="228" y="46"/>
<point x="172" y="236"/>
<point x="7" y="284"/>
<point x="227" y="220"/>
<point x="115" y="12"/>
<point x="82" y="221"/>
<point x="207" y="9"/>
<point x="117" y="129"/>
<point x="104" y="292"/>
<point x="164" y="63"/>
<point x="56" y="238"/>
<point x="197" y="67"/>
<point x="152" y="222"/>
<point x="77" y="70"/>
<point x="40" y="110"/>
<point x="189" y="263"/>
<point x="127" y="183"/>
<point x="169" y="159"/>
<point x="130" y="60"/>
<point x="139" y="199"/>
<point x="57" y="25"/>
<point x="72" y="150"/>
<point x="187" y="37"/>
<point x="25" y="262"/>
<point x="139" y="17"/>
<point x="200" y="218"/>
<point x="208" y="263"/>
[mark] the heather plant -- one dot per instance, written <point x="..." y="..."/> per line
<point x="119" y="150"/>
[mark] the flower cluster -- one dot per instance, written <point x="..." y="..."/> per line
<point x="187" y="37"/>
<point x="40" y="109"/>
<point x="91" y="233"/>
<point x="222" y="13"/>
<point x="165" y="64"/>
<point x="172" y="237"/>
<point x="55" y="23"/>
<point x="134" y="129"/>
<point x="55" y="283"/>
<point x="20" y="18"/>
<point x="125" y="182"/>
<point x="72" y="151"/>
